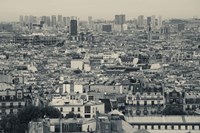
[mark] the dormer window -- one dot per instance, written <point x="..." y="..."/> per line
<point x="3" y="98"/>
<point x="19" y="95"/>
<point x="11" y="98"/>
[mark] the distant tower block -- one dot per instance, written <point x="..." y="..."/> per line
<point x="73" y="28"/>
<point x="149" y="34"/>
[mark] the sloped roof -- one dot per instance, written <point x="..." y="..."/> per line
<point x="155" y="66"/>
<point x="116" y="112"/>
<point x="141" y="131"/>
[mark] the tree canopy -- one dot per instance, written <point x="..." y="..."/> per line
<point x="18" y="123"/>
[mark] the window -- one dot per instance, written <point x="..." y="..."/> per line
<point x="19" y="95"/>
<point x="3" y="104"/>
<point x="72" y="109"/>
<point x="11" y="111"/>
<point x="19" y="104"/>
<point x="79" y="109"/>
<point x="90" y="98"/>
<point x="66" y="127"/>
<point x="87" y="109"/>
<point x="152" y="102"/>
<point x="11" y="104"/>
<point x="145" y="102"/>
<point x="87" y="116"/>
<point x="61" y="109"/>
<point x="11" y="97"/>
<point x="3" y="111"/>
<point x="3" y="98"/>
<point x="138" y="103"/>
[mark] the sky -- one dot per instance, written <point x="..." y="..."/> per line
<point x="99" y="9"/>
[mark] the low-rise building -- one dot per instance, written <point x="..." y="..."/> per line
<point x="144" y="101"/>
<point x="77" y="104"/>
<point x="11" y="101"/>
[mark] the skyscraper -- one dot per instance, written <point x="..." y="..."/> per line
<point x="141" y="20"/>
<point x="26" y="20"/>
<point x="21" y="20"/>
<point x="153" y="21"/>
<point x="60" y="20"/>
<point x="73" y="27"/>
<point x="53" y="20"/>
<point x="120" y="19"/>
<point x="48" y="21"/>
<point x="34" y="19"/>
<point x="31" y="19"/>
<point x="68" y="21"/>
<point x="64" y="21"/>
<point x="90" y="20"/>
<point x="148" y="21"/>
<point x="159" y="21"/>
<point x="149" y="34"/>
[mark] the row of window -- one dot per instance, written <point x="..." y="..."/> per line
<point x="87" y="109"/>
<point x="19" y="96"/>
<point x="145" y="103"/>
<point x="79" y="109"/>
<point x="11" y="111"/>
<point x="11" y="105"/>
<point x="167" y="127"/>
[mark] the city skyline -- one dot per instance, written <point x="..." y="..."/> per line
<point x="99" y="9"/>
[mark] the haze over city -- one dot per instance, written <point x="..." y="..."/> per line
<point x="99" y="66"/>
<point x="10" y="10"/>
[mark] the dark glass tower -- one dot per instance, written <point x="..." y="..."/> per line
<point x="73" y="27"/>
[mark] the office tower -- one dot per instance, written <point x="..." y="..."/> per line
<point x="68" y="21"/>
<point x="140" y="20"/>
<point x="159" y="21"/>
<point x="44" y="20"/>
<point x="21" y="20"/>
<point x="26" y="20"/>
<point x="107" y="27"/>
<point x="149" y="34"/>
<point x="48" y="21"/>
<point x="31" y="19"/>
<point x="60" y="20"/>
<point x="53" y="20"/>
<point x="89" y="19"/>
<point x="165" y="30"/>
<point x="34" y="20"/>
<point x="90" y="22"/>
<point x="73" y="27"/>
<point x="64" y="21"/>
<point x="73" y="18"/>
<point x="120" y="19"/>
<point x="156" y="22"/>
<point x="148" y="21"/>
<point x="153" y="21"/>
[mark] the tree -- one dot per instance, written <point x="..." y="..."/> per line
<point x="29" y="113"/>
<point x="18" y="123"/>
<point x="50" y="112"/>
<point x="72" y="115"/>
<point x="173" y="110"/>
<point x="11" y="124"/>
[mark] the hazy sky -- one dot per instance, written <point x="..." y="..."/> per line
<point x="11" y="9"/>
